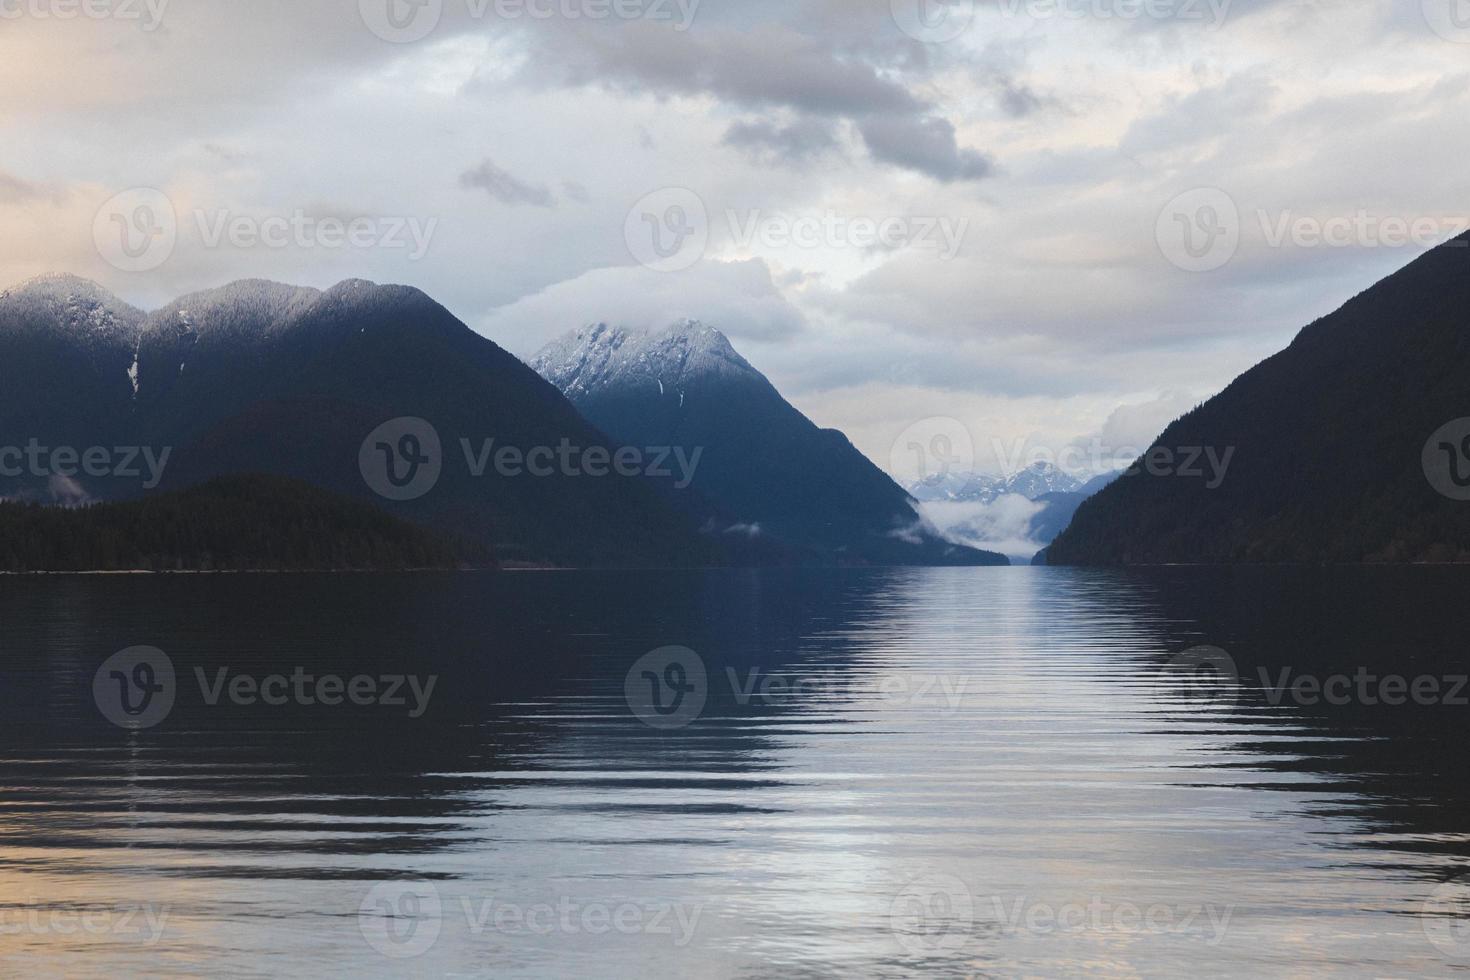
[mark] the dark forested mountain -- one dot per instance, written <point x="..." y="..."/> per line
<point x="766" y="471"/>
<point x="235" y="523"/>
<point x="1331" y="461"/>
<point x="260" y="377"/>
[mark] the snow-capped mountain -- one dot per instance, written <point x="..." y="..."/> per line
<point x="1034" y="481"/>
<point x="599" y="357"/>
<point x="259" y="377"/>
<point x="767" y="474"/>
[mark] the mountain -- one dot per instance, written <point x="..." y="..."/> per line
<point x="265" y="378"/>
<point x="66" y="352"/>
<point x="1333" y="445"/>
<point x="766" y="472"/>
<point x="235" y="523"/>
<point x="1034" y="481"/>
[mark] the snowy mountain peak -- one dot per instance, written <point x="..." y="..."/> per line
<point x="76" y="305"/>
<point x="1034" y="481"/>
<point x="599" y="356"/>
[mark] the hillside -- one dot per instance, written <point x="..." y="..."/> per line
<point x="1329" y="440"/>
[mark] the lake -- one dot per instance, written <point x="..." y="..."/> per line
<point x="965" y="772"/>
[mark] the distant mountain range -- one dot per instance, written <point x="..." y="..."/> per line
<point x="769" y="479"/>
<point x="1034" y="481"/>
<point x="974" y="506"/>
<point x="1342" y="448"/>
<point x="259" y="377"/>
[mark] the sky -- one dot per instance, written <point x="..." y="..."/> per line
<point x="992" y="232"/>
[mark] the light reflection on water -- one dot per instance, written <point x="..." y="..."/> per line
<point x="968" y="771"/>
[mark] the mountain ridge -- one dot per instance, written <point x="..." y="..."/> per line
<point x="767" y="469"/>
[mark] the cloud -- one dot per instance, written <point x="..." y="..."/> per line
<point x="13" y="190"/>
<point x="1135" y="427"/>
<point x="1002" y="525"/>
<point x="925" y="145"/>
<point x="813" y="73"/>
<point x="505" y="187"/>
<point x="796" y="144"/>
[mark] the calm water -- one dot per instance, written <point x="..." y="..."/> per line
<point x="963" y="772"/>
